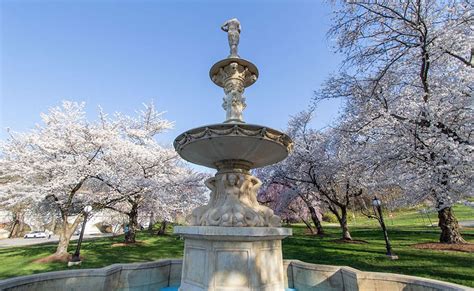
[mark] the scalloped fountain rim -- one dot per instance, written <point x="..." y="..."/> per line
<point x="256" y="144"/>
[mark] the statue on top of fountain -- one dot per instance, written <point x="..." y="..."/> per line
<point x="232" y="27"/>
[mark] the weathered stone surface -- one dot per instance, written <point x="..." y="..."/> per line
<point x="141" y="276"/>
<point x="233" y="28"/>
<point x="317" y="277"/>
<point x="216" y="258"/>
<point x="233" y="234"/>
<point x="306" y="276"/>
<point x="233" y="202"/>
<point x="256" y="145"/>
<point x="232" y="258"/>
<point x="296" y="274"/>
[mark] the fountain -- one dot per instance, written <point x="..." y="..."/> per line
<point x="233" y="242"/>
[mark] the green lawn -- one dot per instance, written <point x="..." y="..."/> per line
<point x="407" y="229"/>
<point x="450" y="266"/>
<point x="412" y="217"/>
<point x="97" y="253"/>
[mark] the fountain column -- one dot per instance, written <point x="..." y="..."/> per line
<point x="233" y="242"/>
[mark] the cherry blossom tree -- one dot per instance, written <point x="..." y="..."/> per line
<point x="138" y="172"/>
<point x="326" y="163"/>
<point x="407" y="81"/>
<point x="62" y="160"/>
<point x="154" y="182"/>
<point x="291" y="200"/>
<point x="324" y="167"/>
<point x="52" y="163"/>
<point x="186" y="190"/>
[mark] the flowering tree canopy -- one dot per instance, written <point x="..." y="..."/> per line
<point x="407" y="79"/>
<point x="71" y="162"/>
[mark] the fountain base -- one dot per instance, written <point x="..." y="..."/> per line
<point x="232" y="258"/>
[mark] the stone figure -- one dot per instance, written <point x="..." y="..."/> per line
<point x="211" y="184"/>
<point x="232" y="27"/>
<point x="234" y="104"/>
<point x="234" y="101"/>
<point x="233" y="202"/>
<point x="250" y="187"/>
<point x="233" y="185"/>
<point x="197" y="215"/>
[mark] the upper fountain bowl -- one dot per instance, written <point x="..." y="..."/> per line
<point x="255" y="145"/>
<point x="224" y="70"/>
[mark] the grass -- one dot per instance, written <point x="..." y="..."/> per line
<point x="407" y="229"/>
<point x="413" y="217"/>
<point x="18" y="261"/>
<point x="454" y="267"/>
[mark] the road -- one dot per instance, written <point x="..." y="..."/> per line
<point x="18" y="242"/>
<point x="467" y="223"/>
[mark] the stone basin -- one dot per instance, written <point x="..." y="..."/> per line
<point x="163" y="274"/>
<point x="254" y="145"/>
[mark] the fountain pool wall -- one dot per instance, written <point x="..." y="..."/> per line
<point x="164" y="273"/>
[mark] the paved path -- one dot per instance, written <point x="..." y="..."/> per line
<point x="468" y="223"/>
<point x="17" y="242"/>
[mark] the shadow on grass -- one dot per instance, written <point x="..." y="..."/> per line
<point x="97" y="253"/>
<point x="449" y="266"/>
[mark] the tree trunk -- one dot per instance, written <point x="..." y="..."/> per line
<point x="13" y="231"/>
<point x="449" y="227"/>
<point x="342" y="219"/>
<point x="308" y="225"/>
<point x="65" y="234"/>
<point x="18" y="228"/>
<point x="152" y="221"/>
<point x="316" y="221"/>
<point x="162" y="230"/>
<point x="18" y="225"/>
<point x="130" y="236"/>
<point x="346" y="235"/>
<point x="64" y="240"/>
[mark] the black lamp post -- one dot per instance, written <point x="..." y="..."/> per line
<point x="76" y="256"/>
<point x="378" y="213"/>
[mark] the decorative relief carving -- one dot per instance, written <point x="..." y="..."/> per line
<point x="233" y="197"/>
<point x="234" y="77"/>
<point x="233" y="202"/>
<point x="233" y="130"/>
<point x="234" y="70"/>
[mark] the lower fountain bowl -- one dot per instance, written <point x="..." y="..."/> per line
<point x="257" y="145"/>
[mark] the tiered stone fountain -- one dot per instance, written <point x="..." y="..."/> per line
<point x="233" y="242"/>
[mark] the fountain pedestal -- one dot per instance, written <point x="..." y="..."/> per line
<point x="232" y="258"/>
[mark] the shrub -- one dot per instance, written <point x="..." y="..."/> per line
<point x="329" y="217"/>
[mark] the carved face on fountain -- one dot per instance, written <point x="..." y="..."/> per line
<point x="232" y="179"/>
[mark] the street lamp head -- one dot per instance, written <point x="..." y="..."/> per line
<point x="87" y="209"/>
<point x="376" y="202"/>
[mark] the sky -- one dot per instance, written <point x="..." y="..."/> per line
<point x="122" y="54"/>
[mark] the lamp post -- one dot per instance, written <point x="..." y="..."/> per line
<point x="378" y="213"/>
<point x="76" y="260"/>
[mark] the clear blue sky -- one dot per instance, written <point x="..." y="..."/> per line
<point x="120" y="54"/>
